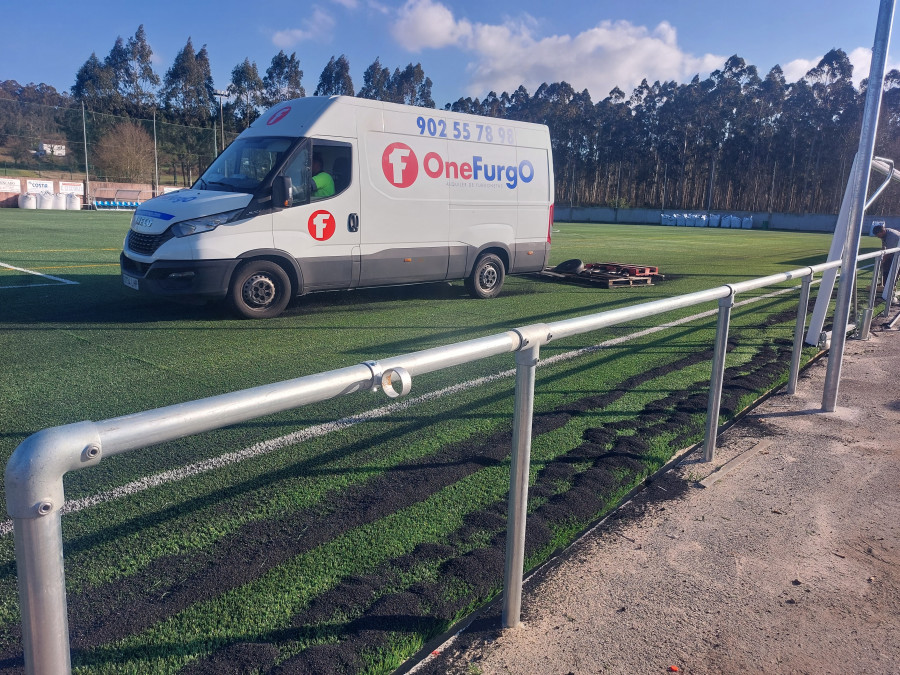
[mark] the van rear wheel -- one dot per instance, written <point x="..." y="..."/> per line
<point x="260" y="289"/>
<point x="487" y="277"/>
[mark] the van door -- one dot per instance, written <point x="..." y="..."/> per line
<point x="404" y="233"/>
<point x="321" y="229"/>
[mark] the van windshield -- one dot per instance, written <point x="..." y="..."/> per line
<point x="244" y="164"/>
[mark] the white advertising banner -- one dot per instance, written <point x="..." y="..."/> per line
<point x="39" y="185"/>
<point x="10" y="185"/>
<point x="167" y="190"/>
<point x="71" y="187"/>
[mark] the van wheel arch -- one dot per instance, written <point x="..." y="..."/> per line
<point x="283" y="260"/>
<point x="260" y="288"/>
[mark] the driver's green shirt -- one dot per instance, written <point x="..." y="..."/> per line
<point x="324" y="185"/>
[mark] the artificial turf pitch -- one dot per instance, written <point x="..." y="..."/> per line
<point x="347" y="550"/>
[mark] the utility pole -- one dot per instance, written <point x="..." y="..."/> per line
<point x="87" y="173"/>
<point x="221" y="94"/>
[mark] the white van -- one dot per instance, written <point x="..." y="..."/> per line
<point x="418" y="195"/>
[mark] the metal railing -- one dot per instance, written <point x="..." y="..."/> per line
<point x="34" y="473"/>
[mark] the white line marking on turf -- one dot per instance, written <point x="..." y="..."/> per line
<point x="318" y="430"/>
<point x="37" y="274"/>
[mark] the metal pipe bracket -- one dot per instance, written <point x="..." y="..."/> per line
<point x="376" y="370"/>
<point x="387" y="383"/>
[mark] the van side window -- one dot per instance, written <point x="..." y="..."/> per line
<point x="320" y="172"/>
<point x="336" y="159"/>
<point x="298" y="171"/>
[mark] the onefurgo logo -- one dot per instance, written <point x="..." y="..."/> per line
<point x="400" y="166"/>
<point x="321" y="225"/>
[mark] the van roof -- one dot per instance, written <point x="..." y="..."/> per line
<point x="296" y="117"/>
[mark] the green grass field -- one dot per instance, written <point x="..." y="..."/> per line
<point x="274" y="550"/>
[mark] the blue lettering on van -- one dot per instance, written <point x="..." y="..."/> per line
<point x="154" y="214"/>
<point x="483" y="133"/>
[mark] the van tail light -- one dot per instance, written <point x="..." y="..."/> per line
<point x="550" y="225"/>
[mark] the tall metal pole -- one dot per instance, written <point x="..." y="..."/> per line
<point x="87" y="173"/>
<point x="860" y="187"/>
<point x="220" y="93"/>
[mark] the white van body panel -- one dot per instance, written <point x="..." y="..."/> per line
<point x="425" y="193"/>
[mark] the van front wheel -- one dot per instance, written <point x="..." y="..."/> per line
<point x="260" y="290"/>
<point x="487" y="276"/>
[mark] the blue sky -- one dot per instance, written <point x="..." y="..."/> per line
<point x="467" y="48"/>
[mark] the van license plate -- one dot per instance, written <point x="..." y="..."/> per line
<point x="131" y="282"/>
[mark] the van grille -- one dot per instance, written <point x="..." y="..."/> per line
<point x="146" y="244"/>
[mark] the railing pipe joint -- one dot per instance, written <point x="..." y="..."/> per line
<point x="537" y="334"/>
<point x="34" y="473"/>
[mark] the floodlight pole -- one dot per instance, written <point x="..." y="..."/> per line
<point x="87" y="173"/>
<point x="155" y="157"/>
<point x="859" y="186"/>
<point x="220" y="94"/>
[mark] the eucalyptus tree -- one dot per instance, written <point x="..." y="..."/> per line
<point x="335" y="79"/>
<point x="410" y="86"/>
<point x="187" y="94"/>
<point x="376" y="81"/>
<point x="188" y="100"/>
<point x="283" y="79"/>
<point x="248" y="90"/>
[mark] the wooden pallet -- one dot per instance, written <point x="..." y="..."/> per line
<point x="623" y="269"/>
<point x="596" y="278"/>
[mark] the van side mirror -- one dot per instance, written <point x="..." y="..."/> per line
<point x="281" y="193"/>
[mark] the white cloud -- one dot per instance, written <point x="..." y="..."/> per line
<point x="797" y="69"/>
<point x="349" y="4"/>
<point x="318" y="28"/>
<point x="861" y="58"/>
<point x="608" y="55"/>
<point x="379" y="7"/>
<point x="509" y="54"/>
<point x="425" y="24"/>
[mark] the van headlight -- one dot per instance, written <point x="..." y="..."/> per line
<point x="197" y="225"/>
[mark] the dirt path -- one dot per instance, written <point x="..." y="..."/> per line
<point x="785" y="563"/>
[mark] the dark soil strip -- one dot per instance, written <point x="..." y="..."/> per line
<point x="426" y="608"/>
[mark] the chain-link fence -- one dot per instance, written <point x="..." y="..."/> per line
<point x="76" y="144"/>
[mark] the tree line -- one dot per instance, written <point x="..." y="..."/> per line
<point x="734" y="140"/>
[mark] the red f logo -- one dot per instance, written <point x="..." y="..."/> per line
<point x="321" y="225"/>
<point x="400" y="165"/>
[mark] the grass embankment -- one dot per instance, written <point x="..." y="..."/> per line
<point x="350" y="549"/>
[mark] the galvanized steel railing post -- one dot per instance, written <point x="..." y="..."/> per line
<point x="42" y="594"/>
<point x="866" y="322"/>
<point x="520" y="462"/>
<point x="34" y="498"/>
<point x="718" y="375"/>
<point x="891" y="284"/>
<point x="799" y="330"/>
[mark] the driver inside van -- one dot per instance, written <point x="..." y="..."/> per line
<point x="321" y="183"/>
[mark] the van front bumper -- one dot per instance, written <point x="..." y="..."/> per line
<point x="184" y="278"/>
